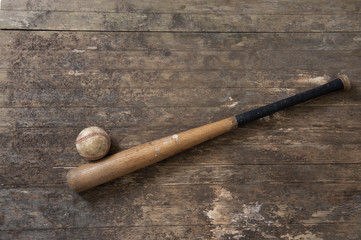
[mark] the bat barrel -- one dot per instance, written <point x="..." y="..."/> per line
<point x="95" y="173"/>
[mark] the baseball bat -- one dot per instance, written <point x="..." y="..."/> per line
<point x="119" y="164"/>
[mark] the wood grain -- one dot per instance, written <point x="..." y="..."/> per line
<point x="148" y="41"/>
<point x="187" y="6"/>
<point x="178" y="22"/>
<point x="148" y="69"/>
<point x="182" y="211"/>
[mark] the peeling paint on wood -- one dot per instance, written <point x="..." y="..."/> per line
<point x="306" y="236"/>
<point x="223" y="220"/>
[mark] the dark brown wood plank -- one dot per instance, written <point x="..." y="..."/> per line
<point x="164" y="97"/>
<point x="284" y="81"/>
<point x="137" y="41"/>
<point x="188" y="6"/>
<point x="344" y="231"/>
<point x="134" y="233"/>
<point x="326" y="118"/>
<point x="186" y="60"/>
<point x="20" y="175"/>
<point x="212" y="78"/>
<point x="179" y="22"/>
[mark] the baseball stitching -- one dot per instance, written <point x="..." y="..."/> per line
<point x="92" y="135"/>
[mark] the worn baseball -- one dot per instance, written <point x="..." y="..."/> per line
<point x="92" y="143"/>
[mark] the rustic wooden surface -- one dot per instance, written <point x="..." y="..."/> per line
<point x="147" y="69"/>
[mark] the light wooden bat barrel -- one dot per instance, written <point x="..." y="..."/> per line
<point x="95" y="173"/>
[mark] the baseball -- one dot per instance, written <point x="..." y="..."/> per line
<point x="92" y="143"/>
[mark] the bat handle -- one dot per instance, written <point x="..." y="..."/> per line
<point x="342" y="82"/>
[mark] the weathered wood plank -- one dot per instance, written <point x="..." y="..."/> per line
<point x="180" y="60"/>
<point x="287" y="81"/>
<point x="137" y="41"/>
<point x="188" y="6"/>
<point x="22" y="175"/>
<point x="221" y="210"/>
<point x="131" y="233"/>
<point x="179" y="22"/>
<point x="339" y="231"/>
<point x="326" y="118"/>
<point x="164" y="97"/>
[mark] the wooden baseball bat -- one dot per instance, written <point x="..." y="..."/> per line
<point x="114" y="166"/>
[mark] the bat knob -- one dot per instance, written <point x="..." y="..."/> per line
<point x="346" y="82"/>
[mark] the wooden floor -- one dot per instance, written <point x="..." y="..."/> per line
<point x="147" y="69"/>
